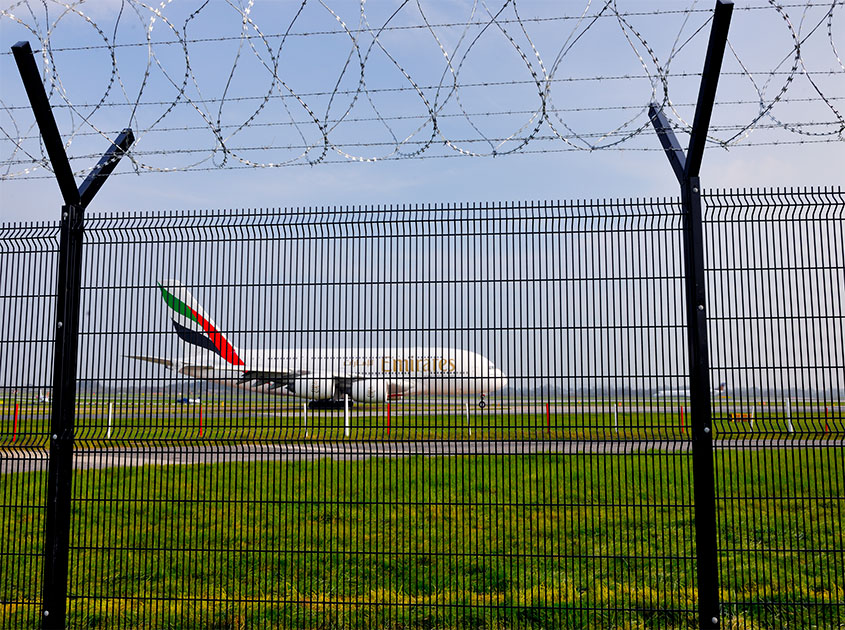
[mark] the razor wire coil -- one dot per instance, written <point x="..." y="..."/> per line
<point x="336" y="85"/>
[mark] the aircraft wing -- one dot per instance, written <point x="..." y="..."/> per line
<point x="275" y="379"/>
<point x="165" y="362"/>
<point x="280" y="379"/>
<point x="187" y="367"/>
<point x="342" y="384"/>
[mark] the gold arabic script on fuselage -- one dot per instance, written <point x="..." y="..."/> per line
<point x="427" y="365"/>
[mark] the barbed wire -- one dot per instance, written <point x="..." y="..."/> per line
<point x="407" y="80"/>
<point x="539" y="151"/>
<point x="528" y="20"/>
<point x="467" y="86"/>
<point x="481" y="114"/>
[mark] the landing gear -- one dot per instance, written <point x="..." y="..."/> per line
<point x="481" y="403"/>
<point x="328" y="404"/>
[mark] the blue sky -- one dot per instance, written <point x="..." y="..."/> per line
<point x="272" y="102"/>
<point x="404" y="65"/>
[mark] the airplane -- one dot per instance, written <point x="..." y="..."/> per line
<point x="681" y="394"/>
<point x="324" y="376"/>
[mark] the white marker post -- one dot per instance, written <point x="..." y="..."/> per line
<point x="615" y="419"/>
<point x="108" y="433"/>
<point x="753" y="411"/>
<point x="789" y="426"/>
<point x="469" y="425"/>
<point x="346" y="415"/>
<point x="305" y="417"/>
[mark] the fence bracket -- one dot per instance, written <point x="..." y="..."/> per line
<point x="68" y="294"/>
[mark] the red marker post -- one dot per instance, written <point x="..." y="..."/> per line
<point x="388" y="419"/>
<point x="683" y="428"/>
<point x="15" y="430"/>
<point x="200" y="420"/>
<point x="548" y="420"/>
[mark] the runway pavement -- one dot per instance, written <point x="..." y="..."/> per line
<point x="19" y="460"/>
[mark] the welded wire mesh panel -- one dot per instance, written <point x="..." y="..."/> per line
<point x="439" y="417"/>
<point x="776" y="274"/>
<point x="28" y="260"/>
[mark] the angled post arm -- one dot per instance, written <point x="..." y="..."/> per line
<point x="40" y="104"/>
<point x="96" y="178"/>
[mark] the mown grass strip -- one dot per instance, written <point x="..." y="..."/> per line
<point x="531" y="541"/>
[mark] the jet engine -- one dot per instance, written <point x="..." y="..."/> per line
<point x="312" y="388"/>
<point x="368" y="391"/>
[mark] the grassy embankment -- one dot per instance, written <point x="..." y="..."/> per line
<point x="541" y="541"/>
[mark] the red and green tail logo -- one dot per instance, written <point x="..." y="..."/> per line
<point x="193" y="325"/>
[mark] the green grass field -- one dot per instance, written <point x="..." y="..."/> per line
<point x="529" y="541"/>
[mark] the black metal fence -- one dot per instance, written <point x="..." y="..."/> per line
<point x="431" y="417"/>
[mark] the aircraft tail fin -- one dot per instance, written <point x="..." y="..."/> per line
<point x="722" y="390"/>
<point x="192" y="324"/>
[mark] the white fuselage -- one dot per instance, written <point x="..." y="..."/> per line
<point x="391" y="371"/>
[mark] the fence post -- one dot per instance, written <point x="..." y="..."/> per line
<point x="68" y="292"/>
<point x="59" y="476"/>
<point x="704" y="488"/>
<point x="687" y="168"/>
